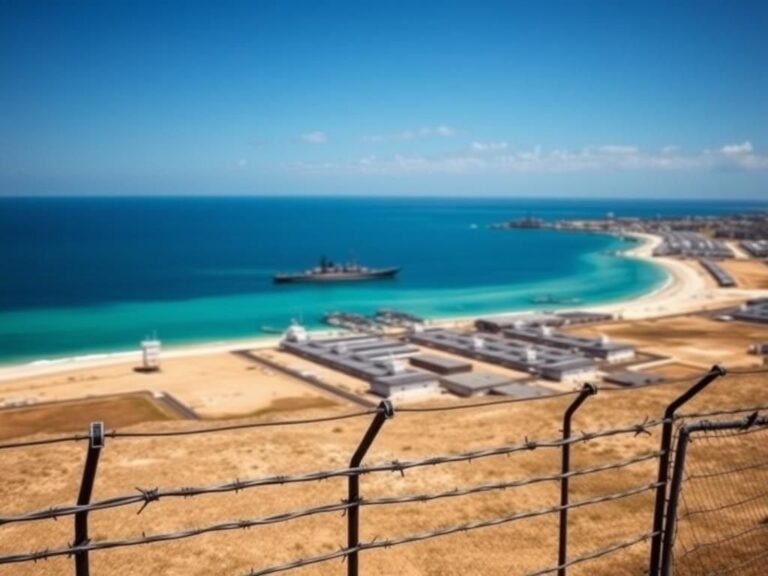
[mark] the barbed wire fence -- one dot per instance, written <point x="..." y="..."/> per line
<point x="656" y="534"/>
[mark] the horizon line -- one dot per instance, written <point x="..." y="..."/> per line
<point x="694" y="199"/>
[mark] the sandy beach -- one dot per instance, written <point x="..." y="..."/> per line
<point x="689" y="288"/>
<point x="214" y="381"/>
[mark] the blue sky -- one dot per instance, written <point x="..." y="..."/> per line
<point x="568" y="98"/>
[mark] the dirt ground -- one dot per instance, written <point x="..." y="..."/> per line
<point x="696" y="339"/>
<point x="213" y="385"/>
<point x="747" y="273"/>
<point x="44" y="476"/>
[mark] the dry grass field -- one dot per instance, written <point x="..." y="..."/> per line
<point x="76" y="415"/>
<point x="40" y="477"/>
<point x="747" y="273"/>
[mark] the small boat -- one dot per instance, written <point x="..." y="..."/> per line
<point x="549" y="299"/>
<point x="270" y="330"/>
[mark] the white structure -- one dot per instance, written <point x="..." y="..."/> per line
<point x="405" y="385"/>
<point x="296" y="333"/>
<point x="477" y="342"/>
<point x="416" y="328"/>
<point x="150" y="355"/>
<point x="395" y="365"/>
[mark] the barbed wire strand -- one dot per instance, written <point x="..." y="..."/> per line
<point x="737" y="432"/>
<point x="505" y="485"/>
<point x="344" y="552"/>
<point x="271" y="424"/>
<point x="407" y="409"/>
<point x="192" y="432"/>
<point x="45" y="441"/>
<point x="149" y="495"/>
<point x="596" y="554"/>
<point x="151" y="539"/>
<point x="721" y="412"/>
<point x="243" y="524"/>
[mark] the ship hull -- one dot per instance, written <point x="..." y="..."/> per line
<point x="331" y="277"/>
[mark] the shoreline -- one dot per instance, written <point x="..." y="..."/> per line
<point x="686" y="290"/>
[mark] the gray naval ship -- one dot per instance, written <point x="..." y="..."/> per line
<point x="328" y="271"/>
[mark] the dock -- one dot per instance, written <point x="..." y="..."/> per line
<point x="352" y="322"/>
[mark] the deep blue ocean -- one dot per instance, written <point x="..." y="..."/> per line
<point x="88" y="275"/>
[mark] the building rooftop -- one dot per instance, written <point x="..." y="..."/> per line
<point x="547" y="336"/>
<point x="550" y="362"/>
<point x="753" y="311"/>
<point x="629" y="378"/>
<point x="520" y="390"/>
<point x="440" y="363"/>
<point x="691" y="244"/>
<point x="723" y="279"/>
<point x="365" y="357"/>
<point x="471" y="383"/>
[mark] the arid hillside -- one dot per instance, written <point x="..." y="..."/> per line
<point x="39" y="477"/>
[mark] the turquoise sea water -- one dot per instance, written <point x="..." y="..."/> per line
<point x="86" y="275"/>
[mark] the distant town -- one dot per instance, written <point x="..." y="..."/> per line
<point x="706" y="238"/>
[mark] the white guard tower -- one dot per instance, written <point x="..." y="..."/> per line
<point x="150" y="355"/>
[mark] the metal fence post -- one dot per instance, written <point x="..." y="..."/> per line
<point x="95" y="444"/>
<point x="663" y="474"/>
<point x="674" y="498"/>
<point x="586" y="391"/>
<point x="384" y="411"/>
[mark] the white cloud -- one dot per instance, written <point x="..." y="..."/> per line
<point x="588" y="159"/>
<point x="489" y="146"/>
<point x="444" y="130"/>
<point x="316" y="137"/>
<point x="242" y="162"/>
<point x="614" y="149"/>
<point x="441" y="131"/>
<point x="737" y="149"/>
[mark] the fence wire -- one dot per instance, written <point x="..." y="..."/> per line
<point x="467" y="527"/>
<point x="722" y="520"/>
<point x="146" y="496"/>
